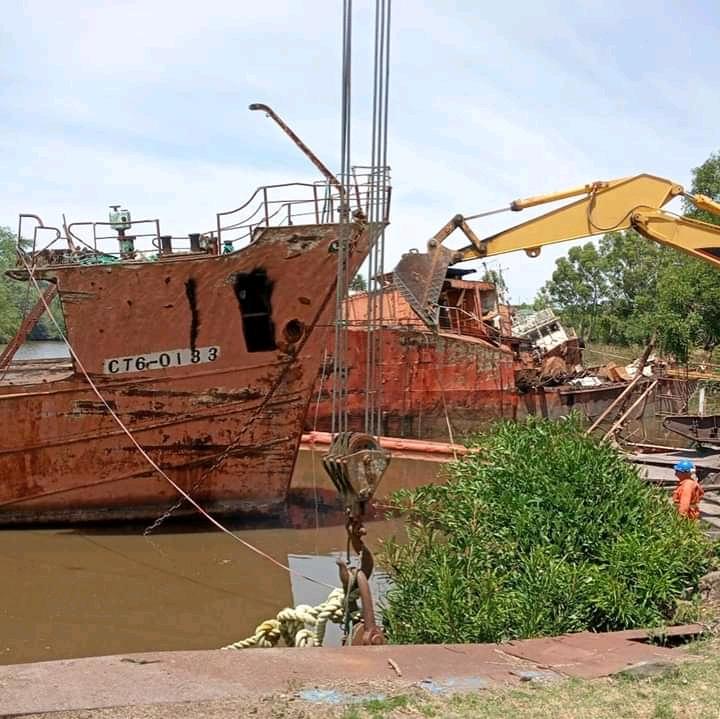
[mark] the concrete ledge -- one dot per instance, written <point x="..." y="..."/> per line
<point x="171" y="677"/>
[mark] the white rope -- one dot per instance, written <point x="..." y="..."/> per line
<point x="153" y="464"/>
<point x="301" y="626"/>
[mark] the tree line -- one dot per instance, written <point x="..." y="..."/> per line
<point x="17" y="298"/>
<point x="622" y="289"/>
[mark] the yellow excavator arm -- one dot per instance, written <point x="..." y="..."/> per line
<point x="631" y="202"/>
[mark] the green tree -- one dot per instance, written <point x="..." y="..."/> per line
<point x="16" y="298"/>
<point x="543" y="300"/>
<point x="496" y="278"/>
<point x="578" y="287"/>
<point x="631" y="266"/>
<point x="10" y="291"/>
<point x="687" y="306"/>
<point x="705" y="181"/>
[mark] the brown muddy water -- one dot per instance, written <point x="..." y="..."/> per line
<point x="90" y="590"/>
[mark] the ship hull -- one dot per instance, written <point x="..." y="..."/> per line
<point x="207" y="361"/>
<point x="425" y="380"/>
<point x="444" y="387"/>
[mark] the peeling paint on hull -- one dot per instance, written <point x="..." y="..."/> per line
<point x="424" y="377"/>
<point x="427" y="380"/>
<point x="421" y="374"/>
<point x="64" y="458"/>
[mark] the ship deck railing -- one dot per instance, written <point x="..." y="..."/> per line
<point x="365" y="193"/>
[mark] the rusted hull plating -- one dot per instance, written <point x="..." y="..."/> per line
<point x="421" y="376"/>
<point x="428" y="380"/>
<point x="209" y="362"/>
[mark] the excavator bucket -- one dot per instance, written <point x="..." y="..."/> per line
<point x="419" y="278"/>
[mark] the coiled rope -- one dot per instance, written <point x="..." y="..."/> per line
<point x="303" y="625"/>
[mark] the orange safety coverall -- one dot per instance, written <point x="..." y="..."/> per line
<point x="687" y="496"/>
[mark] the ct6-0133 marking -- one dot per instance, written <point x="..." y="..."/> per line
<point x="161" y="360"/>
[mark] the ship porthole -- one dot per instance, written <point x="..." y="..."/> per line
<point x="293" y="331"/>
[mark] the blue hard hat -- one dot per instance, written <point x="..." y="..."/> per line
<point x="684" y="465"/>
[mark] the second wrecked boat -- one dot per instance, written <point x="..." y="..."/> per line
<point x="479" y="366"/>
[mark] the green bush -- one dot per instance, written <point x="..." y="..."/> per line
<point x="542" y="531"/>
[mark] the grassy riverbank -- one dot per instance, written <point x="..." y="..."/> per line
<point x="690" y="691"/>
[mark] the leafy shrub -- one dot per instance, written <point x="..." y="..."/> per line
<point x="542" y="531"/>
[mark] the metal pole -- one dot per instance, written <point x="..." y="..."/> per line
<point x="303" y="147"/>
<point x="624" y="417"/>
<point x="624" y="394"/>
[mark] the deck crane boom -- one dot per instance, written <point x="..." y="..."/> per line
<point x="631" y="202"/>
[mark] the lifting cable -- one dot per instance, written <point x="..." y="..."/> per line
<point x="151" y="462"/>
<point x="377" y="218"/>
<point x="377" y="214"/>
<point x="339" y="390"/>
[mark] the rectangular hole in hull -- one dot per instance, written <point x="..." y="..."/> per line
<point x="254" y="293"/>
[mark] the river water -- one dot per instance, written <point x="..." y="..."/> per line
<point x="84" y="591"/>
<point x="41" y="350"/>
<point x="89" y="590"/>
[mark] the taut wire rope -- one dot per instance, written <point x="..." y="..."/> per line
<point x="339" y="393"/>
<point x="377" y="216"/>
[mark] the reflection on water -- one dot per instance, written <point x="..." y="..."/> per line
<point x="41" y="350"/>
<point x="70" y="593"/>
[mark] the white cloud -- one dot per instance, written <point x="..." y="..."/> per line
<point x="82" y="181"/>
<point x="145" y="103"/>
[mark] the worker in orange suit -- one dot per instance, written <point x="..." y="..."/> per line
<point x="688" y="492"/>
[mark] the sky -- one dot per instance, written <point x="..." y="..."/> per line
<point x="145" y="104"/>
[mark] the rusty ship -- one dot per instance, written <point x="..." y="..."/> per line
<point x="205" y="352"/>
<point x="482" y="364"/>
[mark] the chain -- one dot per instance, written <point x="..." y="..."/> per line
<point x="223" y="455"/>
